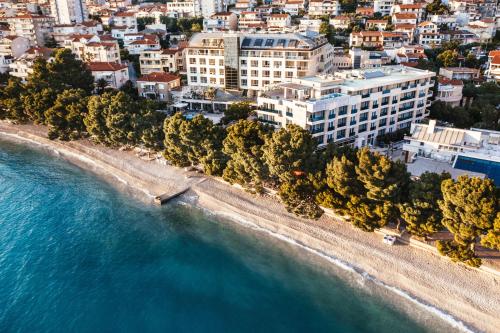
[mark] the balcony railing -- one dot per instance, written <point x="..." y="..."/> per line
<point x="331" y="116"/>
<point x="387" y="91"/>
<point x="316" y="118"/>
<point x="267" y="121"/>
<point x="271" y="111"/>
<point x="316" y="130"/>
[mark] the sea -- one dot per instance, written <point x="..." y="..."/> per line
<point x="79" y="254"/>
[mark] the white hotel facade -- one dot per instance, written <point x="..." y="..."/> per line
<point x="250" y="62"/>
<point x="351" y="107"/>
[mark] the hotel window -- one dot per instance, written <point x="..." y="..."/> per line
<point x="194" y="79"/>
<point x="277" y="74"/>
<point x="341" y="134"/>
<point x="211" y="62"/>
<point x="203" y="79"/>
<point x="203" y="61"/>
<point x="221" y="62"/>
<point x="243" y="72"/>
<point x="265" y="73"/>
<point x="255" y="83"/>
<point x="243" y="82"/>
<point x="192" y="61"/>
<point x="254" y="73"/>
<point x="193" y="70"/>
<point x="277" y="64"/>
<point x="289" y="75"/>
<point x="254" y="63"/>
<point x="243" y="62"/>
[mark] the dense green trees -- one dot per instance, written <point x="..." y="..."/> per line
<point x="421" y="212"/>
<point x="469" y="207"/>
<point x="288" y="152"/>
<point x="243" y="146"/>
<point x="116" y="119"/>
<point x="236" y="111"/>
<point x="10" y="107"/>
<point x="194" y="142"/>
<point x="65" y="117"/>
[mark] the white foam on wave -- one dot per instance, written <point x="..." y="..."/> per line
<point x="364" y="276"/>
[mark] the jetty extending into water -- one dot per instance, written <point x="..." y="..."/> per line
<point x="166" y="197"/>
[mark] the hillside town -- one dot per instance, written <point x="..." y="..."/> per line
<point x="414" y="83"/>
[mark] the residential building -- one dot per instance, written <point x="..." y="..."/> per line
<point x="210" y="7"/>
<point x="136" y="43"/>
<point x="293" y="7"/>
<point x="460" y="73"/>
<point x="377" y="24"/>
<point x="381" y="39"/>
<point x="68" y="11"/>
<point x="94" y="48"/>
<point x="484" y="29"/>
<point x="158" y="86"/>
<point x="184" y="8"/>
<point x="164" y="60"/>
<point x="22" y="66"/>
<point x="14" y="46"/>
<point x="310" y="24"/>
<point x="251" y="20"/>
<point x="404" y="18"/>
<point x="113" y="73"/>
<point x="449" y="91"/>
<point x="340" y="22"/>
<point x="125" y="19"/>
<point x="279" y="21"/>
<point x="382" y="6"/>
<point x="32" y="26"/>
<point x="412" y="8"/>
<point x="350" y="107"/>
<point x="428" y="34"/>
<point x="224" y="21"/>
<point x="368" y="59"/>
<point x="493" y="71"/>
<point x="474" y="151"/>
<point x="318" y="8"/>
<point x="61" y="32"/>
<point x="251" y="61"/>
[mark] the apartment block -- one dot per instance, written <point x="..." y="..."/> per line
<point x="68" y="11"/>
<point x="236" y="61"/>
<point x="93" y="48"/>
<point x="164" y="60"/>
<point x="319" y="8"/>
<point x="350" y="107"/>
<point x="34" y="27"/>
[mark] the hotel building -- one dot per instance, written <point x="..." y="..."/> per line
<point x="236" y="61"/>
<point x="351" y="107"/>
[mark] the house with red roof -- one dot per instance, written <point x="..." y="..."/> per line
<point x="113" y="73"/>
<point x="158" y="85"/>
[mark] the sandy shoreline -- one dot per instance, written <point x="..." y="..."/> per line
<point x="468" y="295"/>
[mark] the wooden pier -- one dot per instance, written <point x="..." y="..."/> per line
<point x="166" y="197"/>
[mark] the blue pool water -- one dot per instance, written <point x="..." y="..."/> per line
<point x="76" y="255"/>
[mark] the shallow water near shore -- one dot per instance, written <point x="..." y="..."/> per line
<point x="78" y="255"/>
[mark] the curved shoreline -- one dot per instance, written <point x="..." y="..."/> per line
<point x="474" y="297"/>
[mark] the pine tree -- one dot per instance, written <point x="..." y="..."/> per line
<point x="421" y="213"/>
<point x="176" y="152"/>
<point x="289" y="151"/>
<point x="95" y="120"/>
<point x="385" y="183"/>
<point x="343" y="185"/>
<point x="469" y="207"/>
<point x="65" y="118"/>
<point x="492" y="238"/>
<point x="244" y="147"/>
<point x="10" y="105"/>
<point x="298" y="197"/>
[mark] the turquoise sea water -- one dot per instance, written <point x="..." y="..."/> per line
<point x="76" y="255"/>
